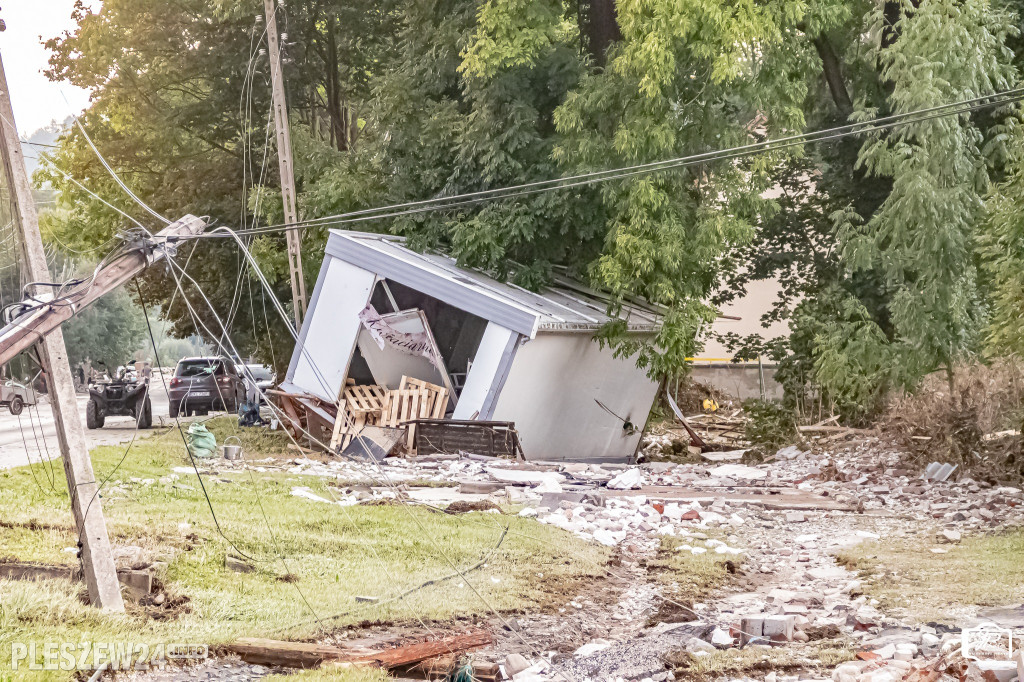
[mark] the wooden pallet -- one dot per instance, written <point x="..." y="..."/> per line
<point x="358" y="406"/>
<point x="361" y="406"/>
<point x="414" y="399"/>
<point x="437" y="400"/>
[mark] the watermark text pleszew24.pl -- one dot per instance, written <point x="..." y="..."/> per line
<point x="68" y="656"/>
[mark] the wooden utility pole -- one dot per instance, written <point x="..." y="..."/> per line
<point x="40" y="320"/>
<point x="97" y="559"/>
<point x="284" y="157"/>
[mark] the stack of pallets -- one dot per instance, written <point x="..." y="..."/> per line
<point x="374" y="405"/>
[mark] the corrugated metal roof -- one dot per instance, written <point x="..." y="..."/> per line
<point x="565" y="306"/>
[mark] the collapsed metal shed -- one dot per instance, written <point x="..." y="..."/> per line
<point x="381" y="311"/>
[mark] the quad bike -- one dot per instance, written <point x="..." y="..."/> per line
<point x="125" y="396"/>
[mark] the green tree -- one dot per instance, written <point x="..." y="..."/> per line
<point x="109" y="331"/>
<point x="923" y="237"/>
<point x="180" y="109"/>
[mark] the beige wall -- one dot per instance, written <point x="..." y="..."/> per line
<point x="759" y="299"/>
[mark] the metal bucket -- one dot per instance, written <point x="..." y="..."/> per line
<point x="232" y="451"/>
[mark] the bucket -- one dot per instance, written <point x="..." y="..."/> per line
<point x="232" y="451"/>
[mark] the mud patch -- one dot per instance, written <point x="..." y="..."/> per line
<point x="465" y="506"/>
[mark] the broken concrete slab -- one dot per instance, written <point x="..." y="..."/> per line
<point x="739" y="471"/>
<point x="732" y="456"/>
<point x="524" y="476"/>
<point x="991" y="671"/>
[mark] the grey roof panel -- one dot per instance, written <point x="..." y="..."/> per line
<point x="556" y="308"/>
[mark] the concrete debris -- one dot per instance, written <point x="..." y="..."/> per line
<point x="631" y="479"/>
<point x="515" y="664"/>
<point x="780" y="523"/>
<point x="991" y="671"/>
<point x="591" y="648"/>
<point x="740" y="472"/>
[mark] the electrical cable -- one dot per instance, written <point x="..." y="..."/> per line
<point x="31" y="465"/>
<point x="568" y="182"/>
<point x="172" y="264"/>
<point x="192" y="459"/>
<point x="387" y="480"/>
<point x="114" y="175"/>
<point x="233" y="351"/>
<point x="49" y="160"/>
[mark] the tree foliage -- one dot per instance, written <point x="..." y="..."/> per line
<point x="876" y="240"/>
<point x="109" y="331"/>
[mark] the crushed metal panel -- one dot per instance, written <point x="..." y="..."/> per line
<point x="374" y="442"/>
<point x="490" y="366"/>
<point x="560" y="307"/>
<point x="402" y="265"/>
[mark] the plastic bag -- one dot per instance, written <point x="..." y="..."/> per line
<point x="201" y="442"/>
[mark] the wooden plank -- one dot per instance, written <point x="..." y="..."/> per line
<point x="270" y="652"/>
<point x="339" y="430"/>
<point x="834" y="429"/>
<point x="411" y="654"/>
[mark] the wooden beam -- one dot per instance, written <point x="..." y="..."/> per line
<point x="414" y="653"/>
<point x="272" y="652"/>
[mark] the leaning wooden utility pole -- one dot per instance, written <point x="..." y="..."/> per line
<point x="284" y="157"/>
<point x="97" y="559"/>
<point x="39" y="316"/>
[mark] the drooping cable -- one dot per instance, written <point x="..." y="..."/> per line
<point x="569" y="182"/>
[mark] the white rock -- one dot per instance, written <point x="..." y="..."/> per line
<point x="630" y="479"/>
<point x="609" y="538"/>
<point x="528" y="511"/>
<point x="847" y="672"/>
<point x="740" y="471"/>
<point x="720" y="637"/>
<point x="886" y="652"/>
<point x="548" y="485"/>
<point x="591" y="648"/>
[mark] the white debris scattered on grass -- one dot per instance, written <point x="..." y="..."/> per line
<point x="345" y="501"/>
<point x="303" y="491"/>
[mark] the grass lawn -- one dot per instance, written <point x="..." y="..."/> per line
<point x="332" y="554"/>
<point x="909" y="579"/>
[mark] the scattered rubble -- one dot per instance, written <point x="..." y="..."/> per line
<point x="782" y="521"/>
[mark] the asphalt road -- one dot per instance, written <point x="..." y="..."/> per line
<point x="32" y="436"/>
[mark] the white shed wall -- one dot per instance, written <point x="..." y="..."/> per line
<point x="550" y="394"/>
<point x="495" y="353"/>
<point x="330" y="329"/>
